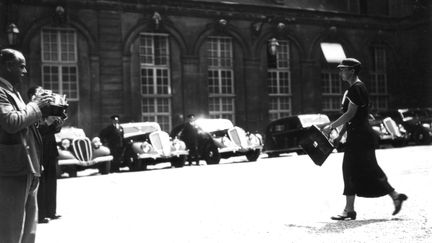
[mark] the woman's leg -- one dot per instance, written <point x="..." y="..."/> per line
<point x="398" y="199"/>
<point x="349" y="206"/>
<point x="348" y="212"/>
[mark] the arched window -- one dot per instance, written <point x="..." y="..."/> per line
<point x="331" y="87"/>
<point x="279" y="80"/>
<point x="60" y="61"/>
<point x="154" y="56"/>
<point x="378" y="82"/>
<point x="221" y="77"/>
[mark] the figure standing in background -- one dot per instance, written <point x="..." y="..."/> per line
<point x="112" y="136"/>
<point x="47" y="192"/>
<point x="189" y="135"/>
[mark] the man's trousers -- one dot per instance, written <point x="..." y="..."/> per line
<point x="18" y="208"/>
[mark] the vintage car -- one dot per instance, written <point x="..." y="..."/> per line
<point x="388" y="131"/>
<point x="418" y="129"/>
<point x="146" y="144"/>
<point x="283" y="135"/>
<point x="77" y="152"/>
<point x="219" y="138"/>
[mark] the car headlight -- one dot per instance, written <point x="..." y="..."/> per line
<point x="146" y="147"/>
<point x="96" y="142"/>
<point x="178" y="145"/>
<point x="65" y="144"/>
<point x="253" y="140"/>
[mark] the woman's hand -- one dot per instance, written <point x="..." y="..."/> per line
<point x="327" y="129"/>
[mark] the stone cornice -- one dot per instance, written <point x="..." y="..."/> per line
<point x="266" y="13"/>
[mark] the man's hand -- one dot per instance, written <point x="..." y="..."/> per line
<point x="43" y="101"/>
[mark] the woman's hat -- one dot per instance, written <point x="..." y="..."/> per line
<point x="349" y="63"/>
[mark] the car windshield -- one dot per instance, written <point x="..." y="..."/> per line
<point x="407" y="113"/>
<point x="313" y="119"/>
<point x="212" y="125"/>
<point x="138" y="128"/>
<point x="70" y="133"/>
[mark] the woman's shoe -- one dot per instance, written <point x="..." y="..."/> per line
<point x="398" y="202"/>
<point x="345" y="215"/>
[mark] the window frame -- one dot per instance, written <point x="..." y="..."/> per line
<point x="220" y="96"/>
<point x="154" y="96"/>
<point x="59" y="63"/>
<point x="278" y="96"/>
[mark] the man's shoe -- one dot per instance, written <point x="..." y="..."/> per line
<point x="43" y="221"/>
<point x="345" y="215"/>
<point x="398" y="202"/>
<point x="55" y="217"/>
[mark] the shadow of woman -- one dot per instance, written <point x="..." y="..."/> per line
<point x="341" y="226"/>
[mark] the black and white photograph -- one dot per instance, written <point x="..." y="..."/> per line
<point x="215" y="121"/>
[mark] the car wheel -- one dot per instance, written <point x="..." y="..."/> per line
<point x="178" y="162"/>
<point x="421" y="137"/>
<point x="211" y="154"/>
<point x="253" y="155"/>
<point x="72" y="173"/>
<point x="105" y="168"/>
<point x="399" y="143"/>
<point x="135" y="165"/>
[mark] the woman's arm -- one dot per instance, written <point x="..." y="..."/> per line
<point x="343" y="119"/>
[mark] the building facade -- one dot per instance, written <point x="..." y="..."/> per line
<point x="249" y="61"/>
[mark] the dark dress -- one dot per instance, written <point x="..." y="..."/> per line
<point x="361" y="173"/>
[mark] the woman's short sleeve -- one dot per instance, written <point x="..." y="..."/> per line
<point x="357" y="94"/>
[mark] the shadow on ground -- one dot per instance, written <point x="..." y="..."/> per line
<point x="340" y="226"/>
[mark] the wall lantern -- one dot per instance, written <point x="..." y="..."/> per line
<point x="60" y="11"/>
<point x="272" y="46"/>
<point x="156" y="19"/>
<point x="281" y="26"/>
<point x="12" y="34"/>
<point x="223" y="22"/>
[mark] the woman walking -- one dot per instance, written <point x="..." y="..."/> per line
<point x="361" y="173"/>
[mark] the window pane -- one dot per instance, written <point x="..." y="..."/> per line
<point x="147" y="86"/>
<point x="155" y="79"/>
<point x="279" y="81"/>
<point x="59" y="62"/>
<point x="220" y="76"/>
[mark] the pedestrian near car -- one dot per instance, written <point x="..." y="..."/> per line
<point x="189" y="135"/>
<point x="362" y="175"/>
<point x="20" y="152"/>
<point x="47" y="191"/>
<point x="112" y="137"/>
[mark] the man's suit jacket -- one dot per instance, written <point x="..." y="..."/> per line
<point x="112" y="136"/>
<point x="20" y="142"/>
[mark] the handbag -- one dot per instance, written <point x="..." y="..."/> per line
<point x="316" y="145"/>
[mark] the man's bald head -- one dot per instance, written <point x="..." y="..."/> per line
<point x="10" y="55"/>
<point x="12" y="65"/>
